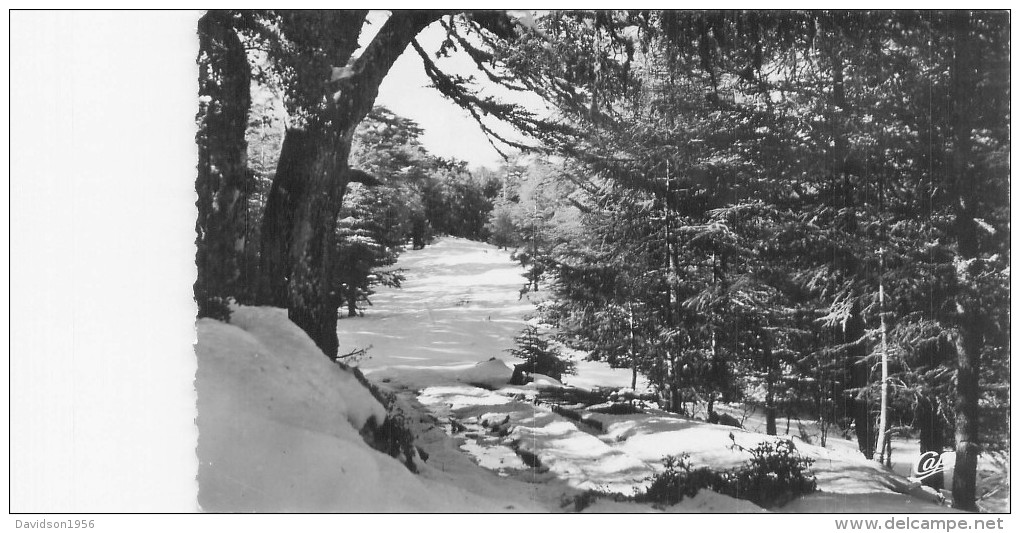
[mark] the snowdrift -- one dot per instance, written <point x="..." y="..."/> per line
<point x="279" y="428"/>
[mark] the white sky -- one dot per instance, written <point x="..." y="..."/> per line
<point x="449" y="130"/>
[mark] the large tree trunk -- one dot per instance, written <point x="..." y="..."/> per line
<point x="352" y="301"/>
<point x="301" y="212"/>
<point x="968" y="392"/>
<point x="419" y="231"/>
<point x="298" y="232"/>
<point x="289" y="186"/>
<point x="969" y="339"/>
<point x="857" y="406"/>
<point x="224" y="80"/>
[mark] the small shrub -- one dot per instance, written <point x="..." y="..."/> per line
<point x="539" y="357"/>
<point x="775" y="475"/>
<point x="678" y="481"/>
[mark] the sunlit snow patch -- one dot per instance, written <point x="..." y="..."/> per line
<point x="457" y="397"/>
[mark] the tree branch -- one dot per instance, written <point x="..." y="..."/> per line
<point x="359" y="82"/>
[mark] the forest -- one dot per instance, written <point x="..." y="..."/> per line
<point x="805" y="211"/>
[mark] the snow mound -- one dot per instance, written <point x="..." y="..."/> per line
<point x="265" y="361"/>
<point x="492" y="374"/>
<point x="279" y="428"/>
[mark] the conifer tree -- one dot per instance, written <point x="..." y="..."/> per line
<point x="539" y="356"/>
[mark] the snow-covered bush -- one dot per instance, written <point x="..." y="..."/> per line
<point x="678" y="481"/>
<point x="775" y="475"/>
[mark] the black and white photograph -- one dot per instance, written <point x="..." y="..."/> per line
<point x="545" y="261"/>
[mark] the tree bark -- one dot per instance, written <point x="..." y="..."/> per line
<point x="969" y="338"/>
<point x="301" y="212"/>
<point x="858" y="405"/>
<point x="673" y="304"/>
<point x="289" y="187"/>
<point x="222" y="183"/>
<point x="352" y="301"/>
<point x="418" y="228"/>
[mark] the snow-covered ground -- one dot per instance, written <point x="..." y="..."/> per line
<point x="279" y="430"/>
<point x="459" y="305"/>
<point x="279" y="424"/>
